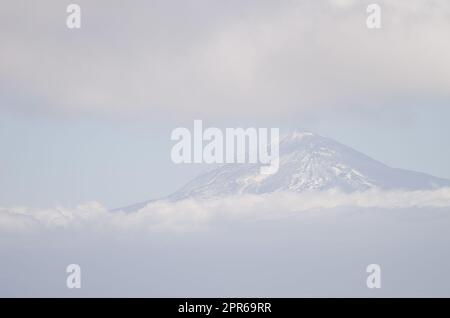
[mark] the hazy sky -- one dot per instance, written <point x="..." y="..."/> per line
<point x="87" y="114"/>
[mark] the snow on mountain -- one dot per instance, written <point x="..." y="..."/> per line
<point x="307" y="162"/>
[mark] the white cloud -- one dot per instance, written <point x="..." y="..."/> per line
<point x="209" y="59"/>
<point x="194" y="214"/>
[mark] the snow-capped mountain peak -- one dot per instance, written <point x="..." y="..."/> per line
<point x="307" y="162"/>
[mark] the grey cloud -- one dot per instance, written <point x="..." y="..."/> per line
<point x="213" y="59"/>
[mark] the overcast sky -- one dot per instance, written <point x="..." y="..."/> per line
<point x="86" y="114"/>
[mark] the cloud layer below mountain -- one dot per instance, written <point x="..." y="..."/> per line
<point x="193" y="214"/>
<point x="273" y="246"/>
